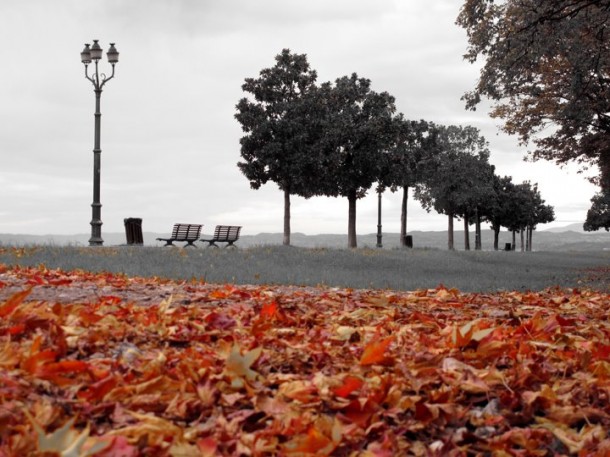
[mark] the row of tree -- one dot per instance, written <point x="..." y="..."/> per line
<point x="339" y="139"/>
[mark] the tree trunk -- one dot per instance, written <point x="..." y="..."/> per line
<point x="403" y="217"/>
<point x="286" y="218"/>
<point x="351" y="221"/>
<point x="450" y="233"/>
<point x="514" y="246"/>
<point x="478" y="245"/>
<point x="496" y="238"/>
<point x="531" y="234"/>
<point x="466" y="234"/>
<point x="522" y="243"/>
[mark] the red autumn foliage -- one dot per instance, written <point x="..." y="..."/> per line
<point x="106" y="365"/>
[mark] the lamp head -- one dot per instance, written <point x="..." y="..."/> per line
<point x="96" y="50"/>
<point x="85" y="55"/>
<point x="113" y="54"/>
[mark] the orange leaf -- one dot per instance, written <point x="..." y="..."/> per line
<point x="34" y="363"/>
<point x="460" y="337"/>
<point x="208" y="447"/>
<point x="65" y="366"/>
<point x="350" y="383"/>
<point x="314" y="443"/>
<point x="9" y="306"/>
<point x="375" y="352"/>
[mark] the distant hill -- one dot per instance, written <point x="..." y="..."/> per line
<point x="576" y="227"/>
<point x="545" y="240"/>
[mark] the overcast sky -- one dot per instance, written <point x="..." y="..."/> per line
<point x="170" y="142"/>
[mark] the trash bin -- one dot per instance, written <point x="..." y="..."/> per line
<point x="133" y="231"/>
<point x="409" y="241"/>
<point x="508" y="247"/>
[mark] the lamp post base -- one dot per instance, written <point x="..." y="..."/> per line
<point x="96" y="233"/>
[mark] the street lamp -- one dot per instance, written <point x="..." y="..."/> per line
<point x="94" y="53"/>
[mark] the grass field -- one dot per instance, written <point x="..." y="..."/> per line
<point x="473" y="271"/>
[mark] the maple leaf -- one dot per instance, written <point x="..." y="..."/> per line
<point x="97" y="391"/>
<point x="321" y="439"/>
<point x="374" y="352"/>
<point x="9" y="356"/>
<point x="350" y="384"/>
<point x="182" y="449"/>
<point x="156" y="428"/>
<point x="237" y="366"/>
<point x="118" y="447"/>
<point x="574" y="441"/>
<point x="13" y="302"/>
<point x="269" y="310"/>
<point x="207" y="447"/>
<point x="65" y="441"/>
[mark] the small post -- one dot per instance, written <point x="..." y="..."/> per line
<point x="379" y="234"/>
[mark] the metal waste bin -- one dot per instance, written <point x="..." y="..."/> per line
<point x="133" y="231"/>
<point x="409" y="241"/>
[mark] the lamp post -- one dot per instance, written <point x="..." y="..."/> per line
<point x="94" y="53"/>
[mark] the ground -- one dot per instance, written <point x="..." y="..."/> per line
<point x="111" y="365"/>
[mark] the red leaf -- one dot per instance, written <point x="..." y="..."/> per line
<point x="359" y="413"/>
<point x="269" y="310"/>
<point x="98" y="390"/>
<point x="220" y="321"/>
<point x="16" y="329"/>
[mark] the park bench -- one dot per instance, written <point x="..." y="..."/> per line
<point x="224" y="234"/>
<point x="188" y="233"/>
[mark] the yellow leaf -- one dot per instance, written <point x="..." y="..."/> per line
<point x="9" y="356"/>
<point x="237" y="366"/>
<point x="65" y="441"/>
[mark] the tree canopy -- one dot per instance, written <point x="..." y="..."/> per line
<point x="456" y="178"/>
<point x="280" y="132"/>
<point x="359" y="130"/>
<point x="404" y="162"/>
<point x="598" y="215"/>
<point x="547" y="70"/>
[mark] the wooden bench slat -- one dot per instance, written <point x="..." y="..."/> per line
<point x="224" y="234"/>
<point x="188" y="233"/>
